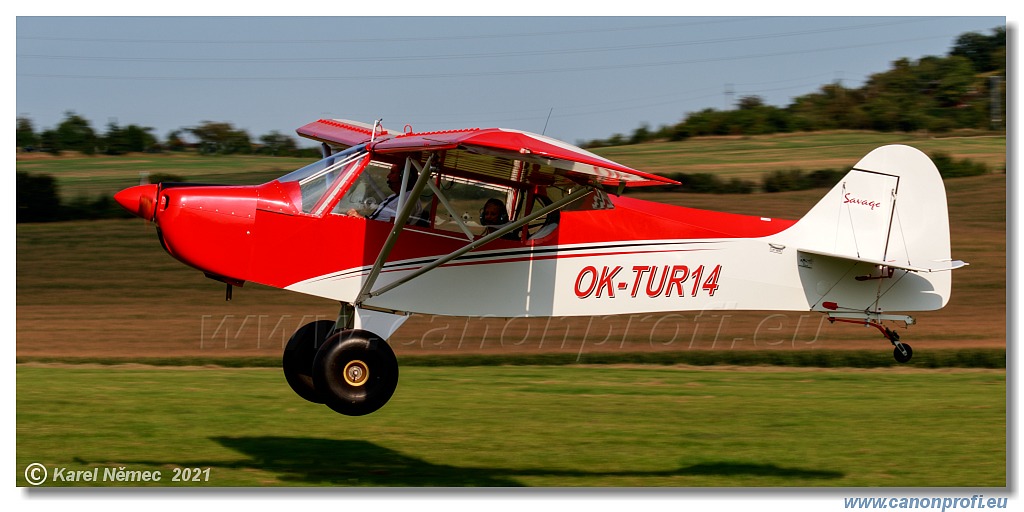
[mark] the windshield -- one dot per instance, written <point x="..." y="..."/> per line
<point x="317" y="178"/>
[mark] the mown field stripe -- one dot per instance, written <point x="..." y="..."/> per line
<point x="939" y="358"/>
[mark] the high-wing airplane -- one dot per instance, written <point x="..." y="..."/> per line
<point x="506" y="223"/>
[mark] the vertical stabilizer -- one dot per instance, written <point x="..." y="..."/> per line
<point x="887" y="214"/>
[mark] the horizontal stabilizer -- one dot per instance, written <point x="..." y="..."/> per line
<point x="933" y="266"/>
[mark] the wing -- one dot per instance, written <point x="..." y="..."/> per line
<point x="492" y="153"/>
<point x="557" y="161"/>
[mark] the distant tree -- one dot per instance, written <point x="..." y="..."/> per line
<point x="75" y="134"/>
<point x="175" y="142"/>
<point x="221" y="138"/>
<point x="986" y="53"/>
<point x="753" y="117"/>
<point x="616" y="140"/>
<point x="277" y="144"/>
<point x="750" y="103"/>
<point x="49" y="141"/>
<point x="131" y="139"/>
<point x="140" y="139"/>
<point x="641" y="134"/>
<point x="26" y="134"/>
<point x="706" y="122"/>
<point x="834" y="106"/>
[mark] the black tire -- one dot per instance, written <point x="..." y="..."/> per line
<point x="355" y="372"/>
<point x="298" y="358"/>
<point x="900" y="358"/>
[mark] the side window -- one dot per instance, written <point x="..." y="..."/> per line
<point x="467" y="200"/>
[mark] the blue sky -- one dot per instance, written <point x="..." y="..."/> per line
<point x="594" y="76"/>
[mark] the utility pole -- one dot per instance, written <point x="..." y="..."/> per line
<point x="995" y="102"/>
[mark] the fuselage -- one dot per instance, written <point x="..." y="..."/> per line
<point x="319" y="231"/>
<point x="632" y="256"/>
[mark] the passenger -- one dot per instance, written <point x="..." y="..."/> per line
<point x="493" y="216"/>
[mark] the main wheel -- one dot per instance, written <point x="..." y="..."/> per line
<point x="298" y="358"/>
<point x="355" y="372"/>
<point x="900" y="357"/>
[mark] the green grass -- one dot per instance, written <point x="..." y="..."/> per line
<point x="91" y="176"/>
<point x="527" y="426"/>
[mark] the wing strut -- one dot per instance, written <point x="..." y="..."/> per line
<point x="399" y="224"/>
<point x="512" y="226"/>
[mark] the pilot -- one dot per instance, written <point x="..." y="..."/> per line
<point x="387" y="210"/>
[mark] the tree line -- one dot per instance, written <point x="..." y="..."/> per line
<point x="797" y="179"/>
<point x="963" y="90"/>
<point x="75" y="133"/>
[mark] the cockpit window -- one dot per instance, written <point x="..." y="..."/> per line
<point x="317" y="179"/>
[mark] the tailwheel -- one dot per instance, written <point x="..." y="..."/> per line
<point x="355" y="372"/>
<point x="904" y="355"/>
<point x="901" y="351"/>
<point x="298" y="358"/>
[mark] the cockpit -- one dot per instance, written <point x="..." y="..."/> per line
<point x="465" y="194"/>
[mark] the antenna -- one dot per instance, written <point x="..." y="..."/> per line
<point x="546" y="121"/>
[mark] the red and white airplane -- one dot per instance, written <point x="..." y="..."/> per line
<point x="506" y="223"/>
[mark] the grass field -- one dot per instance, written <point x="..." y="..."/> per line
<point x="91" y="176"/>
<point x="582" y="426"/>
<point x="104" y="292"/>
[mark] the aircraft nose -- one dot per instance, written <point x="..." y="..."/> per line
<point x="140" y="200"/>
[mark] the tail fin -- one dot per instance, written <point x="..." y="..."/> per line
<point x="887" y="214"/>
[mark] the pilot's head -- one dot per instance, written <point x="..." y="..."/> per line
<point x="397" y="162"/>
<point x="395" y="179"/>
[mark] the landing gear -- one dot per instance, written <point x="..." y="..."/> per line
<point x="299" y="354"/>
<point x="901" y="351"/>
<point x="352" y="371"/>
<point x="904" y="355"/>
<point x="355" y="372"/>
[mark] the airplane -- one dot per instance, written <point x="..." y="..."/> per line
<point x="506" y="223"/>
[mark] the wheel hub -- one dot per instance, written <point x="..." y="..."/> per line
<point x="356" y="372"/>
